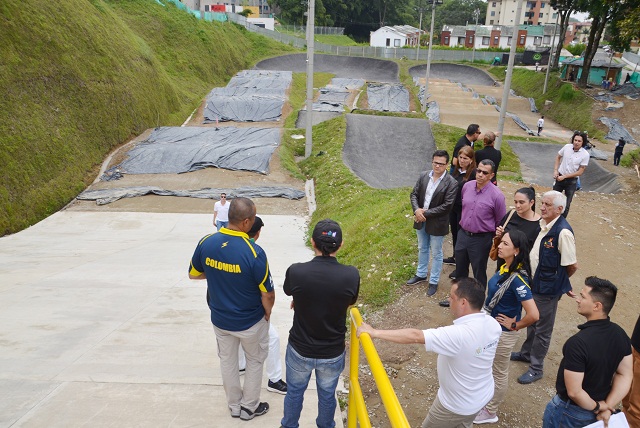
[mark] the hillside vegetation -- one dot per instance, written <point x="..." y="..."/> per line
<point x="80" y="77"/>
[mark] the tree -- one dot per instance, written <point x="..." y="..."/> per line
<point x="603" y="12"/>
<point x="565" y="8"/>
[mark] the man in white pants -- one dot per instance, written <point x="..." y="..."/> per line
<point x="273" y="363"/>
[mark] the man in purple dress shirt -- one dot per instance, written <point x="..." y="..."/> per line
<point x="483" y="206"/>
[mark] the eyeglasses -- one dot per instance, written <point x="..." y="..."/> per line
<point x="483" y="172"/>
<point x="438" y="163"/>
<point x="223" y="197"/>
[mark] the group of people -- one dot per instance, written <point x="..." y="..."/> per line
<point x="240" y="295"/>
<point x="536" y="256"/>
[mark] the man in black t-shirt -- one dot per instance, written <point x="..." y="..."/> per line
<point x="591" y="382"/>
<point x="472" y="135"/>
<point x="631" y="403"/>
<point x="322" y="291"/>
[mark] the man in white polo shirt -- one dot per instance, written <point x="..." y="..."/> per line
<point x="571" y="162"/>
<point x="465" y="356"/>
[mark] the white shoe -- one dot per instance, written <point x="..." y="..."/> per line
<point x="485" y="417"/>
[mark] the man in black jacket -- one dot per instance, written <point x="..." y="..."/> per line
<point x="432" y="199"/>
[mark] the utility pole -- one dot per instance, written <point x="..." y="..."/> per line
<point x="310" y="48"/>
<point x="551" y="53"/>
<point x="475" y="32"/>
<point x="507" y="80"/>
<point x="419" y="30"/>
<point x="426" y="83"/>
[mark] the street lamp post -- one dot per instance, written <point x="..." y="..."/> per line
<point x="419" y="30"/>
<point x="475" y="34"/>
<point x="507" y="79"/>
<point x="426" y="83"/>
<point x="549" y="62"/>
<point x="310" y="49"/>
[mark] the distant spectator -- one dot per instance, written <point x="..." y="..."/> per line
<point x="491" y="153"/>
<point x="628" y="78"/>
<point x="472" y="135"/>
<point x="540" y="125"/>
<point x="617" y="154"/>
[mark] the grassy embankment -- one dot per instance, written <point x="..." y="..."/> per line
<point x="80" y="77"/>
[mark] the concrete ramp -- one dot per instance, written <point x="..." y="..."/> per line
<point x="456" y="72"/>
<point x="537" y="160"/>
<point x="388" y="152"/>
<point x="369" y="69"/>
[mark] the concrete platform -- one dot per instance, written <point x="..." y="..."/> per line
<point x="100" y="326"/>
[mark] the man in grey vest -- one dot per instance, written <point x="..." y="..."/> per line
<point x="553" y="261"/>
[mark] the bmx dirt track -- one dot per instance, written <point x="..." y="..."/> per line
<point x="605" y="225"/>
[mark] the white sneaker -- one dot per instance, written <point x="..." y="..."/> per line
<point x="485" y="417"/>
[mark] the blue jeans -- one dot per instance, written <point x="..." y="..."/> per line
<point x="429" y="243"/>
<point x="561" y="414"/>
<point x="298" y="374"/>
<point x="221" y="224"/>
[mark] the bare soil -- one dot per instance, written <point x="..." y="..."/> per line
<point x="608" y="242"/>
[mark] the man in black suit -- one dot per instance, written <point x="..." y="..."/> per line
<point x="491" y="153"/>
<point x="432" y="199"/>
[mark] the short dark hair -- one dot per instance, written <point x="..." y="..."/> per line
<point x="470" y="289"/>
<point x="257" y="225"/>
<point x="602" y="291"/>
<point x="241" y="209"/>
<point x="440" y="154"/>
<point x="473" y="128"/>
<point x="488" y="162"/>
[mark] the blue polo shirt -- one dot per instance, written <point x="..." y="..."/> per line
<point x="237" y="272"/>
<point x="511" y="303"/>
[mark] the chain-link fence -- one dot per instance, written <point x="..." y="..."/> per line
<point x="302" y="29"/>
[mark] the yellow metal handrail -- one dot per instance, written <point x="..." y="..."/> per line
<point x="357" y="407"/>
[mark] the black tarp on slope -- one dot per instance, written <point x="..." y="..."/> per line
<point x="616" y="130"/>
<point x="387" y="97"/>
<point x="106" y="196"/>
<point x="183" y="149"/>
<point x="250" y="96"/>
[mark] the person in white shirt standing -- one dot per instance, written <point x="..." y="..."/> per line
<point x="540" y="125"/>
<point x="221" y="212"/>
<point x="571" y="162"/>
<point x="465" y="351"/>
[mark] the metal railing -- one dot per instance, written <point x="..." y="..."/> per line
<point x="316" y="29"/>
<point x="357" y="413"/>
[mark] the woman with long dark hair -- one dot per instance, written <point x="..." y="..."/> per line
<point x="525" y="218"/>
<point x="508" y="293"/>
<point x="463" y="172"/>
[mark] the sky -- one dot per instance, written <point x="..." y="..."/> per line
<point x="580" y="16"/>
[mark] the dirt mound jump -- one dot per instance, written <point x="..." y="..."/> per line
<point x="455" y="72"/>
<point x="388" y="152"/>
<point x="537" y="161"/>
<point x="369" y="69"/>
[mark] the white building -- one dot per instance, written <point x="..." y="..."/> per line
<point x="534" y="12"/>
<point x="395" y="37"/>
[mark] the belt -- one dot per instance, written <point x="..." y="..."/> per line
<point x="466" y="232"/>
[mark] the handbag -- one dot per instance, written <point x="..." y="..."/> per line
<point x="493" y="253"/>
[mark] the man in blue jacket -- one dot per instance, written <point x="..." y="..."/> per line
<point x="553" y="261"/>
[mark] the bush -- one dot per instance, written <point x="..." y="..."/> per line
<point x="630" y="159"/>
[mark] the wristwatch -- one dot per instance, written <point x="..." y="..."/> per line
<point x="513" y="326"/>
<point x="595" y="410"/>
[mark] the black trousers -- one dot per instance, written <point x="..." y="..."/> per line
<point x="473" y="249"/>
<point x="569" y="187"/>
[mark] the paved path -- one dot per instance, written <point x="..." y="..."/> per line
<point x="100" y="326"/>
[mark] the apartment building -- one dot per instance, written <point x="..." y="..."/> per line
<point x="535" y="12"/>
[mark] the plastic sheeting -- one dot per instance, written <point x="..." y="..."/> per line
<point x="520" y="123"/>
<point x="350" y="84"/>
<point x="626" y="89"/>
<point x="388" y="97"/>
<point x="106" y="196"/>
<point x="491" y="100"/>
<point x="615" y="105"/>
<point x="532" y="102"/>
<point x="616" y="130"/>
<point x="597" y="154"/>
<point x="607" y="98"/>
<point x="250" y="96"/>
<point x="171" y="150"/>
<point x="433" y="111"/>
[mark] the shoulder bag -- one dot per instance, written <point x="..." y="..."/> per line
<point x="493" y="254"/>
